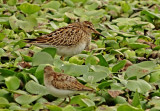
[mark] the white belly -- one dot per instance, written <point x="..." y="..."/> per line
<point x="71" y="50"/>
<point x="67" y="50"/>
<point x="60" y="92"/>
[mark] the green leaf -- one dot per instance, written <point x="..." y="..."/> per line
<point x="125" y="6"/>
<point x="93" y="60"/>
<point x="26" y="99"/>
<point x="139" y="85"/>
<point x="141" y="69"/>
<point x="155" y="76"/>
<point x="93" y="77"/>
<point x="128" y="108"/>
<point x="119" y="66"/>
<point x="37" y="106"/>
<point x="12" y="82"/>
<point x="35" y="88"/>
<point x="102" y="60"/>
<point x="50" y="50"/>
<point x="150" y="14"/>
<point x="29" y="8"/>
<point x="138" y="45"/>
<point x="136" y="101"/>
<point x="93" y="6"/>
<point x="42" y="58"/>
<point x="52" y="4"/>
<point x="69" y="108"/>
<point x="4" y="20"/>
<point x="3" y="102"/>
<point x="28" y="25"/>
<point x="54" y="108"/>
<point x="97" y="68"/>
<point x="88" y="102"/>
<point x="11" y="2"/>
<point x="75" y="70"/>
<point x="39" y="74"/>
<point x="13" y="21"/>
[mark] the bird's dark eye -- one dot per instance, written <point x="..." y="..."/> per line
<point x="89" y="27"/>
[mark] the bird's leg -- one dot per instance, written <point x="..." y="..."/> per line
<point x="62" y="58"/>
<point x="69" y="99"/>
<point x="62" y="102"/>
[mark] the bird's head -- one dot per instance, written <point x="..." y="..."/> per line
<point x="88" y="26"/>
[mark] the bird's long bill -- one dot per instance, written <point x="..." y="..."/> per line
<point x="96" y="32"/>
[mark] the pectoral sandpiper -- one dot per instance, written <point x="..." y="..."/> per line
<point x="69" y="40"/>
<point x="62" y="85"/>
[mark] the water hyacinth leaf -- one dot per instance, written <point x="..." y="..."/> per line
<point x="37" y="106"/>
<point x="28" y="25"/>
<point x="69" y="3"/>
<point x="54" y="108"/>
<point x="26" y="99"/>
<point x="155" y="76"/>
<point x="88" y="102"/>
<point x="13" y="21"/>
<point x="71" y="16"/>
<point x="50" y="50"/>
<point x="93" y="60"/>
<point x="39" y="74"/>
<point x="52" y="4"/>
<point x="138" y="45"/>
<point x="3" y="102"/>
<point x="136" y="101"/>
<point x="141" y="69"/>
<point x="119" y="66"/>
<point x="139" y="85"/>
<point x="75" y="70"/>
<point x="69" y="108"/>
<point x="93" y="6"/>
<point x="42" y="58"/>
<point x="12" y="82"/>
<point x="11" y="2"/>
<point x="93" y="77"/>
<point x="4" y="20"/>
<point x="97" y="68"/>
<point x="150" y="14"/>
<point x="126" y="107"/>
<point x="28" y="8"/>
<point x="102" y="60"/>
<point x="35" y="88"/>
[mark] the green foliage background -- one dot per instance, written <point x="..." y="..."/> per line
<point x="132" y="39"/>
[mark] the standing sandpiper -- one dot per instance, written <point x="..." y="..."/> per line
<point x="69" y="40"/>
<point x="62" y="85"/>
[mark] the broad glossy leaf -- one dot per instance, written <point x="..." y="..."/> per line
<point x="141" y="69"/>
<point x="155" y="76"/>
<point x="69" y="108"/>
<point x="42" y="58"/>
<point x="75" y="70"/>
<point x="29" y="8"/>
<point x="35" y="88"/>
<point x="136" y="100"/>
<point x="3" y="102"/>
<point x="52" y="4"/>
<point x="50" y="50"/>
<point x="26" y="99"/>
<point x="12" y="82"/>
<point x="119" y="66"/>
<point x="126" y="107"/>
<point x="93" y="77"/>
<point x="138" y="45"/>
<point x="139" y="85"/>
<point x="54" y="108"/>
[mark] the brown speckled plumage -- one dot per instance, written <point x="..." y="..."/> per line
<point x="63" y="81"/>
<point x="68" y="40"/>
